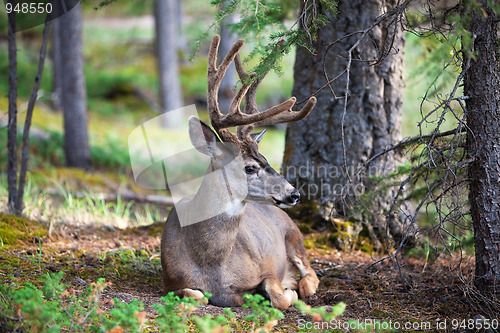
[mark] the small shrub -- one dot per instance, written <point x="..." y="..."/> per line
<point x="173" y="313"/>
<point x="263" y="315"/>
<point x="56" y="307"/>
<point x="52" y="308"/>
<point x="125" y="317"/>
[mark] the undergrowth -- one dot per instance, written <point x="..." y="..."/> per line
<point x="48" y="151"/>
<point x="52" y="199"/>
<point x="56" y="307"/>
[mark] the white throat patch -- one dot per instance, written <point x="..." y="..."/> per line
<point x="234" y="209"/>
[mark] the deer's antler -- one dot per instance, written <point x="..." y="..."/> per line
<point x="251" y="117"/>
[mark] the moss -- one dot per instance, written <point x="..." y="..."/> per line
<point x="309" y="243"/>
<point x="379" y="314"/>
<point x="306" y="211"/>
<point x="156" y="229"/>
<point x="342" y="225"/>
<point x="78" y="179"/>
<point x="304" y="228"/>
<point x="316" y="241"/>
<point x="15" y="230"/>
<point x="365" y="244"/>
<point x="342" y="234"/>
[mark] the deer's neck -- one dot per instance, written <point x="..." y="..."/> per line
<point x="215" y="220"/>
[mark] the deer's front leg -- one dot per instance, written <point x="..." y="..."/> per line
<point x="280" y="298"/>
<point x="308" y="283"/>
<point x="188" y="292"/>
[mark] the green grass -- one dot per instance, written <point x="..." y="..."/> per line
<point x="71" y="196"/>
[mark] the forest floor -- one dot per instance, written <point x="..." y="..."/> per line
<point x="434" y="296"/>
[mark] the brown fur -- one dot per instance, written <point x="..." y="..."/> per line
<point x="255" y="250"/>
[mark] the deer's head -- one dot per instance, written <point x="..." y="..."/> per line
<point x="263" y="183"/>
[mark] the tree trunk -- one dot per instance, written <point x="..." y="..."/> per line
<point x="55" y="53"/>
<point x="12" y="125"/>
<point x="227" y="39"/>
<point x="314" y="152"/>
<point x="166" y="47"/>
<point x="74" y="95"/>
<point x="182" y="42"/>
<point x="482" y="86"/>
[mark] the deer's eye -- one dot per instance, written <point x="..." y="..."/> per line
<point x="249" y="169"/>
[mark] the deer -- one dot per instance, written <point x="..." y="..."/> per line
<point x="237" y="246"/>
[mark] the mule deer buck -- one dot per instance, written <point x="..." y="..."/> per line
<point x="237" y="246"/>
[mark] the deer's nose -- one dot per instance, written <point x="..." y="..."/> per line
<point x="295" y="196"/>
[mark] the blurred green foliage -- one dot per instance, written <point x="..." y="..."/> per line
<point x="49" y="152"/>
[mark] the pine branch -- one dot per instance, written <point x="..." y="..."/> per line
<point x="410" y="141"/>
<point x="263" y="25"/>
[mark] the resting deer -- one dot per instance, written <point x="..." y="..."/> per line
<point x="244" y="246"/>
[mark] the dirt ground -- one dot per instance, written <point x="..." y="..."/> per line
<point x="413" y="297"/>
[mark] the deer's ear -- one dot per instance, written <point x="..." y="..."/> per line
<point x="258" y="136"/>
<point x="203" y="137"/>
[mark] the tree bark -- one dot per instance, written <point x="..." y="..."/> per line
<point x="12" y="125"/>
<point x="227" y="39"/>
<point x="314" y="152"/>
<point x="482" y="86"/>
<point x="57" y="75"/>
<point x="182" y="42"/>
<point x="74" y="95"/>
<point x="168" y="64"/>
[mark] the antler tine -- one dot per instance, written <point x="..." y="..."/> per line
<point x="214" y="76"/>
<point x="214" y="79"/>
<point x="239" y="69"/>
<point x="288" y="115"/>
<point x="276" y="114"/>
<point x="251" y="95"/>
<point x="215" y="73"/>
